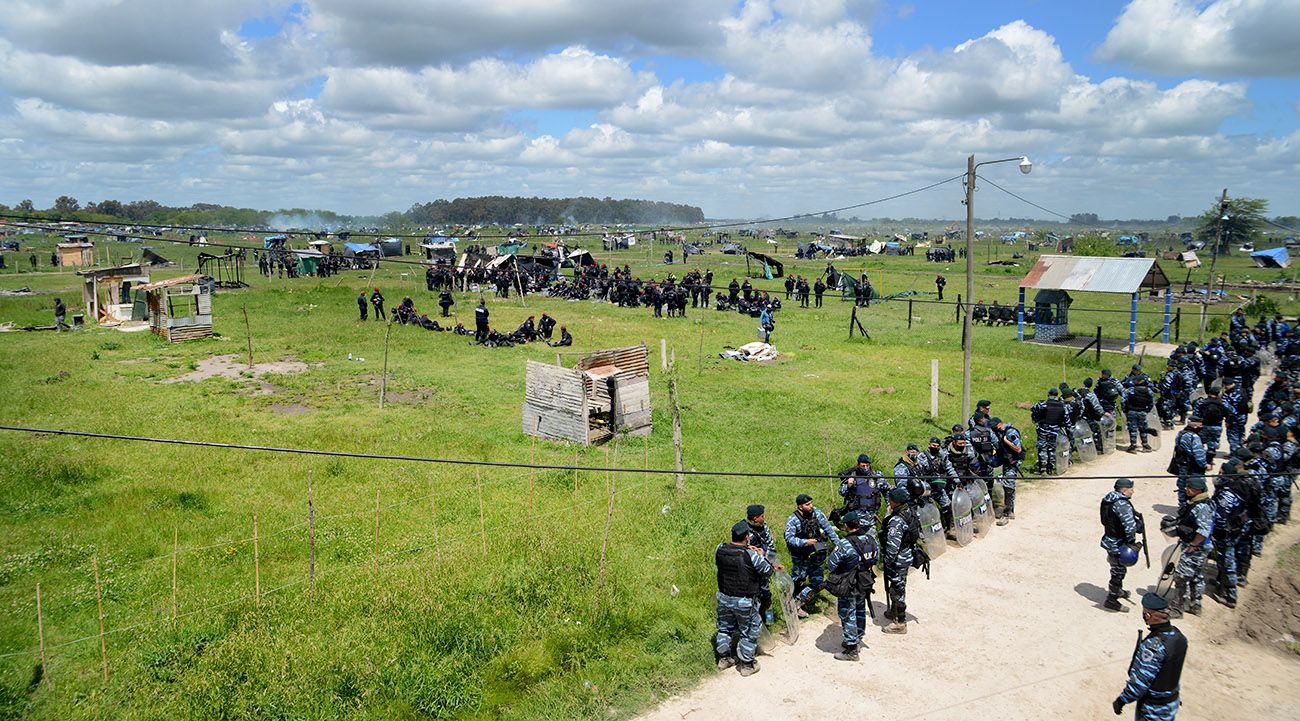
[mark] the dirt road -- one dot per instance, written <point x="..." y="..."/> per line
<point x="1011" y="627"/>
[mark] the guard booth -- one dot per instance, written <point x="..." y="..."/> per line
<point x="1054" y="275"/>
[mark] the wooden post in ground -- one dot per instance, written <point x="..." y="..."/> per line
<point x="482" y="525"/>
<point x="934" y="387"/>
<point x="311" y="539"/>
<point x="176" y="539"/>
<point x="909" y="314"/>
<point x="248" y="331"/>
<point x="257" y="567"/>
<point x="677" y="432"/>
<point x="1200" y="334"/>
<point x="99" y="601"/>
<point x="40" y="635"/>
<point x="609" y="521"/>
<point x="956" y="315"/>
<point x="663" y="353"/>
<point x="375" y="563"/>
<point x="383" y="382"/>
<point x="433" y="518"/>
<point x="1098" y="344"/>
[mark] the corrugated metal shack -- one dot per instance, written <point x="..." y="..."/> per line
<point x="181" y="308"/>
<point x="1057" y="273"/>
<point x="607" y="391"/>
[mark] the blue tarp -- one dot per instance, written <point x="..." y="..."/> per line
<point x="361" y="247"/>
<point x="1272" y="258"/>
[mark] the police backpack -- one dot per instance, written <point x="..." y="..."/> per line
<point x="857" y="578"/>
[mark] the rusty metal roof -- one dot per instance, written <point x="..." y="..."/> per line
<point x="1100" y="275"/>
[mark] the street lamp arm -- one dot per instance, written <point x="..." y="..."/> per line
<point x="1004" y="160"/>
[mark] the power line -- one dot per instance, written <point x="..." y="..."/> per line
<point x="491" y="464"/>
<point x="362" y="234"/>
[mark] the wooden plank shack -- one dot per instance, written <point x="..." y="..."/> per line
<point x="607" y="391"/>
<point x="180" y="308"/>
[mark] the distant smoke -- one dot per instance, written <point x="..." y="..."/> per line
<point x="299" y="221"/>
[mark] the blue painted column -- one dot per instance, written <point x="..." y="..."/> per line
<point x="1133" y="326"/>
<point x="1020" y="316"/>
<point x="1169" y="304"/>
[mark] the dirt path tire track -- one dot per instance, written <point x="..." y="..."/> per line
<point x="1011" y="627"/>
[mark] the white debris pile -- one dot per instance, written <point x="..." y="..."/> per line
<point x="751" y="353"/>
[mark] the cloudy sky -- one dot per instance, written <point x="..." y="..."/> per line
<point x="1139" y="108"/>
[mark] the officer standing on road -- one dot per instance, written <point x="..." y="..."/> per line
<point x="1010" y="452"/>
<point x="1093" y="411"/>
<point x="1237" y="407"/>
<point x="862" y="488"/>
<point x="898" y="539"/>
<point x="934" y="465"/>
<point x="854" y="553"/>
<point x="1049" y="417"/>
<point x="1119" y="539"/>
<point x="1231" y="503"/>
<point x="1189" y="458"/>
<point x="1138" y="401"/>
<point x="1157" y="666"/>
<point x="809" y="536"/>
<point x="1195" y="528"/>
<point x="761" y="536"/>
<point x="1212" y="412"/>
<point x="742" y="570"/>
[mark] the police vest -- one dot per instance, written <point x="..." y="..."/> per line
<point x="982" y="438"/>
<point x="1171" y="670"/>
<point x="1110" y="519"/>
<point x="1213" y="412"/>
<point x="865" y="495"/>
<point x="1052" y="412"/>
<point x="736" y="573"/>
<point x="808" y="528"/>
<point x="1140" y="399"/>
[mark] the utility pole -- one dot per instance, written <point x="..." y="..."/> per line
<point x="1218" y="241"/>
<point x="970" y="288"/>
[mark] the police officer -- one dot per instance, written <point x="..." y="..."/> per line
<point x="377" y="300"/>
<point x="362" y="305"/>
<point x="1195" y="527"/>
<point x="445" y="301"/>
<point x="1189" y="458"/>
<point x="1237" y="408"/>
<point x="1212" y="412"/>
<point x="481" y="314"/>
<point x="1253" y="481"/>
<point x="934" y="464"/>
<point x="854" y="553"/>
<point x="862" y="488"/>
<point x="897" y="542"/>
<point x="1138" y="401"/>
<point x="742" y="570"/>
<point x="1010" y="452"/>
<point x="1120" y="524"/>
<point x="1109" y="391"/>
<point x="1157" y="665"/>
<point x="1093" y="411"/>
<point x="1049" y="417"/>
<point x="908" y="466"/>
<point x="809" y="536"/>
<point x="981" y="411"/>
<point x="761" y="536"/>
<point x="818" y="289"/>
<point x="1231" y="523"/>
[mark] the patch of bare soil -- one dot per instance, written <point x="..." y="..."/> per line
<point x="1271" y="611"/>
<point x="290" y="408"/>
<point x="410" y="397"/>
<point x="233" y="367"/>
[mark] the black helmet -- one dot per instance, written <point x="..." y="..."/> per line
<point x="916" y="487"/>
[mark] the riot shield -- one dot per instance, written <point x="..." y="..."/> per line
<point x="1106" y="444"/>
<point x="932" y="529"/>
<point x="1168" y="562"/>
<point x="1153" y="437"/>
<point x="783" y="591"/>
<point x="1062" y="453"/>
<point x="1265" y="357"/>
<point x="1083" y="438"/>
<point x="963" y="525"/>
<point x="1197" y="393"/>
<point x="982" y="502"/>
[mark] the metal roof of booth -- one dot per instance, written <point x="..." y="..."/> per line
<point x="1100" y="275"/>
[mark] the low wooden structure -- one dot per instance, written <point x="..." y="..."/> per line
<point x="77" y="250"/>
<point x="179" y="309"/>
<point x="606" y="392"/>
<point x="106" y="292"/>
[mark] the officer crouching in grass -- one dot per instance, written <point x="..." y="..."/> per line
<point x="742" y="573"/>
<point x="1157" y="666"/>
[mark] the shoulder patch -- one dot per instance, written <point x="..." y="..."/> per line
<point x="1147" y="655"/>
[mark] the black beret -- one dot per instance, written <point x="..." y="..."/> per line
<point x="755" y="509"/>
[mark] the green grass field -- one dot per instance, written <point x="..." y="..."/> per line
<point x="442" y="629"/>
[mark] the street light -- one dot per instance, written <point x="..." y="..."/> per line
<point x="1025" y="167"/>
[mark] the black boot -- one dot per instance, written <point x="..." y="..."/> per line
<point x="1112" y="603"/>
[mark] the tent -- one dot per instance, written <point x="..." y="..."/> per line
<point x="389" y="247"/>
<point x="772" y="268"/>
<point x="579" y="258"/>
<point x="1272" y="258"/>
<point x="153" y="258"/>
<point x="442" y="251"/>
<point x="273" y="241"/>
<point x="360" y="249"/>
<point x="308" y="260"/>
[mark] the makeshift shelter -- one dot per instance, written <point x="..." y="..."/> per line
<point x="361" y="250"/>
<point x="308" y="261"/>
<point x="179" y="309"/>
<point x="1188" y="259"/>
<point x="1089" y="274"/>
<point x="226" y="270"/>
<point x="772" y="268"/>
<point x="76" y="250"/>
<point x="390" y="247"/>
<point x="106" y="292"/>
<point x="320" y="245"/>
<point x="1272" y="258"/>
<point x="273" y="241"/>
<point x="608" y="391"/>
<point x="440" y="251"/>
<point x="579" y="259"/>
<point x="148" y="256"/>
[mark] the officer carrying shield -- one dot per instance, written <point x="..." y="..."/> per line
<point x="1049" y="418"/>
<point x="809" y="536"/>
<point x="1010" y="452"/>
<point x="898" y="539"/>
<point x="761" y="536"/>
<point x="1157" y="666"/>
<point x="1119" y="539"/>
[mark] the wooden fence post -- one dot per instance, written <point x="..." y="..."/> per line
<point x="956" y="315"/>
<point x="99" y="601"/>
<point x="1098" y="344"/>
<point x="40" y="635"/>
<point x="677" y="432"/>
<point x="248" y="330"/>
<point x="383" y="382"/>
<point x="909" y="314"/>
<point x="433" y="518"/>
<point x="257" y="566"/>
<point x="934" y="387"/>
<point x="311" y="539"/>
<point x="663" y="353"/>
<point x="176" y="538"/>
<point x="482" y="525"/>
